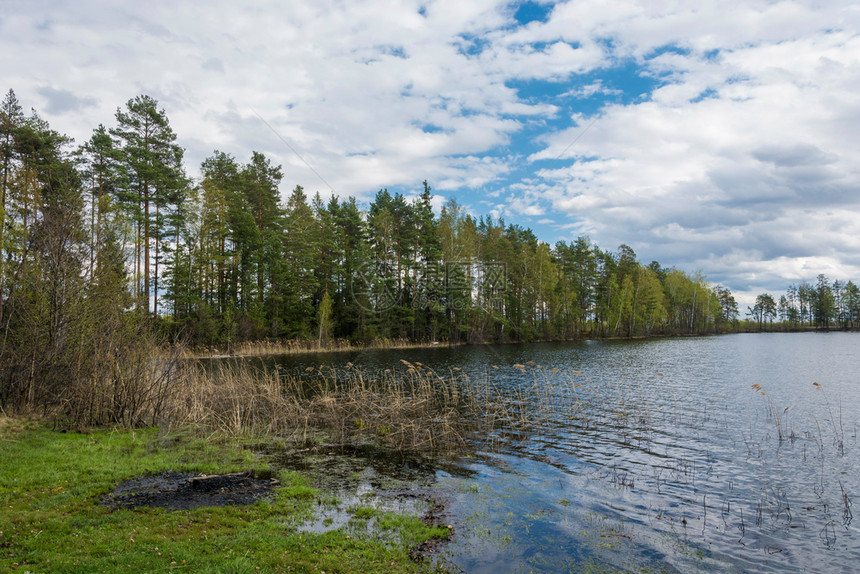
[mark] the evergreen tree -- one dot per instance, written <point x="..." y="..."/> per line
<point x="301" y="255"/>
<point x="215" y="246"/>
<point x="354" y="284"/>
<point x="825" y="302"/>
<point x="99" y="169"/>
<point x="11" y="120"/>
<point x="426" y="254"/>
<point x="728" y="305"/>
<point x="260" y="251"/>
<point x="153" y="170"/>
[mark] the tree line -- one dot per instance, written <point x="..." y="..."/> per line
<point x="116" y="223"/>
<point x="804" y="305"/>
<point x="224" y="258"/>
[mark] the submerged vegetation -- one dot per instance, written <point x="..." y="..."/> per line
<point x="413" y="409"/>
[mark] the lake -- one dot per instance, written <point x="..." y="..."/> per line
<point x="734" y="453"/>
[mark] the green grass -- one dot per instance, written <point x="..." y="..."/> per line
<point x="51" y="519"/>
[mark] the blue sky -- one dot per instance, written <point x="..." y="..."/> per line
<point x="711" y="136"/>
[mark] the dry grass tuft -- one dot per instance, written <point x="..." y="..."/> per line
<point x="10" y="427"/>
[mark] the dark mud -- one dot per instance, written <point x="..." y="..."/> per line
<point x="436" y="516"/>
<point x="182" y="491"/>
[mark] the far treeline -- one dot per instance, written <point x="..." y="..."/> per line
<point x="116" y="225"/>
<point x="822" y="305"/>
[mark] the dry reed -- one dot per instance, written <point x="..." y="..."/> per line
<point x="779" y="416"/>
<point x="300" y="346"/>
<point x="405" y="409"/>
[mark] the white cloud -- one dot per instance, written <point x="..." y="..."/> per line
<point x="747" y="148"/>
<point x="742" y="161"/>
<point x="349" y="86"/>
<point x="592" y="89"/>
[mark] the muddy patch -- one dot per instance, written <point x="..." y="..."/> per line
<point x="183" y="491"/>
<point x="437" y="516"/>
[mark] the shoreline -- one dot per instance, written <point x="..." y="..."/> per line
<point x="298" y="347"/>
<point x="305" y="347"/>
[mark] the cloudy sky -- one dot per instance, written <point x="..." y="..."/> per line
<point x="708" y="135"/>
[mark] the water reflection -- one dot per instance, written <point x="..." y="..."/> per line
<point x="659" y="454"/>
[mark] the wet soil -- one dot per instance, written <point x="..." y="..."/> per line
<point x="365" y="474"/>
<point x="436" y="516"/>
<point x="358" y="476"/>
<point x="182" y="491"/>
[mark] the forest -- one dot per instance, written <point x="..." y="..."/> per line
<point x="116" y="222"/>
<point x="108" y="250"/>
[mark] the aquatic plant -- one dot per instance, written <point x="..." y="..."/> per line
<point x="838" y="433"/>
<point x="405" y="409"/>
<point x="268" y="347"/>
<point x="778" y="416"/>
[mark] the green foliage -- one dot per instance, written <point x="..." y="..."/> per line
<point x="151" y="190"/>
<point x="116" y="230"/>
<point x="764" y="311"/>
<point x="822" y="306"/>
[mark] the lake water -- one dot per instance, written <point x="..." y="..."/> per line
<point x="733" y="453"/>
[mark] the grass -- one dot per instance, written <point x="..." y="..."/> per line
<point x="51" y="520"/>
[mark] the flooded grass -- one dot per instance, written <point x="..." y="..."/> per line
<point x="51" y="518"/>
<point x="408" y="409"/>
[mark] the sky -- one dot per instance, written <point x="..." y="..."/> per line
<point x="710" y="136"/>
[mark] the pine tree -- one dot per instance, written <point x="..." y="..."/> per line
<point x="260" y="181"/>
<point x="214" y="250"/>
<point x="357" y="270"/>
<point x="153" y="169"/>
<point x="300" y="254"/>
<point x="426" y="254"/>
<point x="11" y="119"/>
<point x="100" y="172"/>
